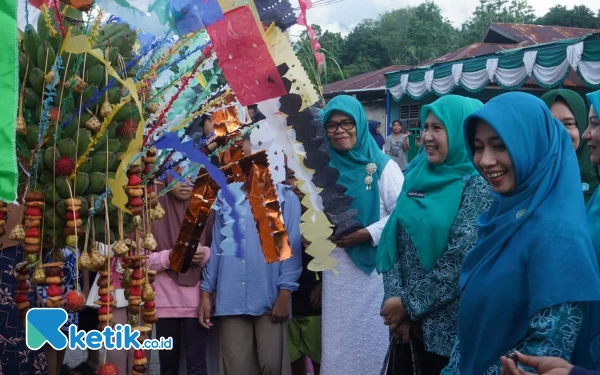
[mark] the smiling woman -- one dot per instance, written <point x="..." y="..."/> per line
<point x="568" y="107"/>
<point x="532" y="275"/>
<point x="354" y="337"/>
<point x="424" y="242"/>
<point x="492" y="159"/>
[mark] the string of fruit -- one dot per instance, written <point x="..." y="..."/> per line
<point x="149" y="242"/>
<point x="34" y="203"/>
<point x="148" y="294"/>
<point x="54" y="280"/>
<point x="23" y="289"/>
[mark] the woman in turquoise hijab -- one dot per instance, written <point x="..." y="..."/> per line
<point x="532" y="275"/>
<point x="351" y="325"/>
<point x="569" y="108"/>
<point x="426" y="238"/>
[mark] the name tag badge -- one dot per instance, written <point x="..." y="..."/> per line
<point x="585" y="186"/>
<point x="416" y="194"/>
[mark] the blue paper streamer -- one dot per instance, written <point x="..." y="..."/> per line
<point x="159" y="44"/>
<point x="99" y="202"/>
<point x="27" y="12"/>
<point x="171" y="141"/>
<point x="49" y="94"/>
<point x="183" y="57"/>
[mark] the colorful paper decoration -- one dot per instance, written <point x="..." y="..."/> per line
<point x="9" y="92"/>
<point x="196" y="214"/>
<point x="138" y="14"/>
<point x="283" y="53"/>
<point x="245" y="58"/>
<point x="304" y="6"/>
<point x="225" y="119"/>
<point x="171" y="141"/>
<point x="82" y="5"/>
<point x="279" y="12"/>
<point x="254" y="172"/>
<point x="210" y="11"/>
<point x="186" y="16"/>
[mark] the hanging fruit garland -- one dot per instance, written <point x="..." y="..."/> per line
<point x="34" y="203"/>
<point x="23" y="289"/>
<point x="54" y="280"/>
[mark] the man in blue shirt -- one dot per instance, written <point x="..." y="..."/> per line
<point x="253" y="298"/>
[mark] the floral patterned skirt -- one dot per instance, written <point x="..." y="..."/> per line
<point x="15" y="357"/>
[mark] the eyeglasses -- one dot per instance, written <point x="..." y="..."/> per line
<point x="332" y="127"/>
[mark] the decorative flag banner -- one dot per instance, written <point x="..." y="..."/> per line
<point x="245" y="58"/>
<point x="283" y="53"/>
<point x="279" y="12"/>
<point x="304" y="6"/>
<point x="186" y="16"/>
<point x="229" y="5"/>
<point x="210" y="11"/>
<point x="139" y="14"/>
<point x="9" y="91"/>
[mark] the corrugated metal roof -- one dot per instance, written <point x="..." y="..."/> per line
<point x="522" y="34"/>
<point x="370" y="80"/>
<point x="475" y="49"/>
<point x="525" y="34"/>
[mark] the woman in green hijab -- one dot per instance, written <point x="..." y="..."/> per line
<point x="426" y="238"/>
<point x="569" y="108"/>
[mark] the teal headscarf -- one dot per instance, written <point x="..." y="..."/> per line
<point x="588" y="352"/>
<point x="577" y="105"/>
<point x="593" y="206"/>
<point x="431" y="194"/>
<point x="533" y="249"/>
<point x="351" y="165"/>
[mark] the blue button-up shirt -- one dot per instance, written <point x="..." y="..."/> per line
<point x="248" y="285"/>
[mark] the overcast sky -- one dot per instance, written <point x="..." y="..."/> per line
<point x="346" y="14"/>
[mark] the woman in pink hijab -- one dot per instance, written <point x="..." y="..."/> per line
<point x="178" y="294"/>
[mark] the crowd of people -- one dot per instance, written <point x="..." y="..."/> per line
<point x="478" y="257"/>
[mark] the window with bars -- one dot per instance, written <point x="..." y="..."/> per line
<point x="411" y="114"/>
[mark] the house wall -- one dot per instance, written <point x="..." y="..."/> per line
<point x="375" y="111"/>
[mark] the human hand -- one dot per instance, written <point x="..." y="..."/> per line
<point x="204" y="310"/>
<point x="543" y="365"/>
<point x="393" y="312"/>
<point x="401" y="332"/>
<point x="281" y="307"/>
<point x="352" y="239"/>
<point x="198" y="255"/>
<point x="315" y="296"/>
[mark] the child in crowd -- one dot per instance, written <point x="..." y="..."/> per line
<point x="253" y="297"/>
<point x="396" y="144"/>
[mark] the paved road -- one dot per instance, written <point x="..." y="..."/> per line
<point x="74" y="357"/>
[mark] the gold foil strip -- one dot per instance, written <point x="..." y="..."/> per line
<point x="266" y="209"/>
<point x="225" y="119"/>
<point x="203" y="196"/>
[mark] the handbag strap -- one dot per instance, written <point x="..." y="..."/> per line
<point x="386" y="361"/>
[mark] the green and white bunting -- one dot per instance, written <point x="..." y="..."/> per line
<point x="547" y="64"/>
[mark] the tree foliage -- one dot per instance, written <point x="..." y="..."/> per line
<point x="488" y="11"/>
<point x="415" y="34"/>
<point x="579" y="16"/>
